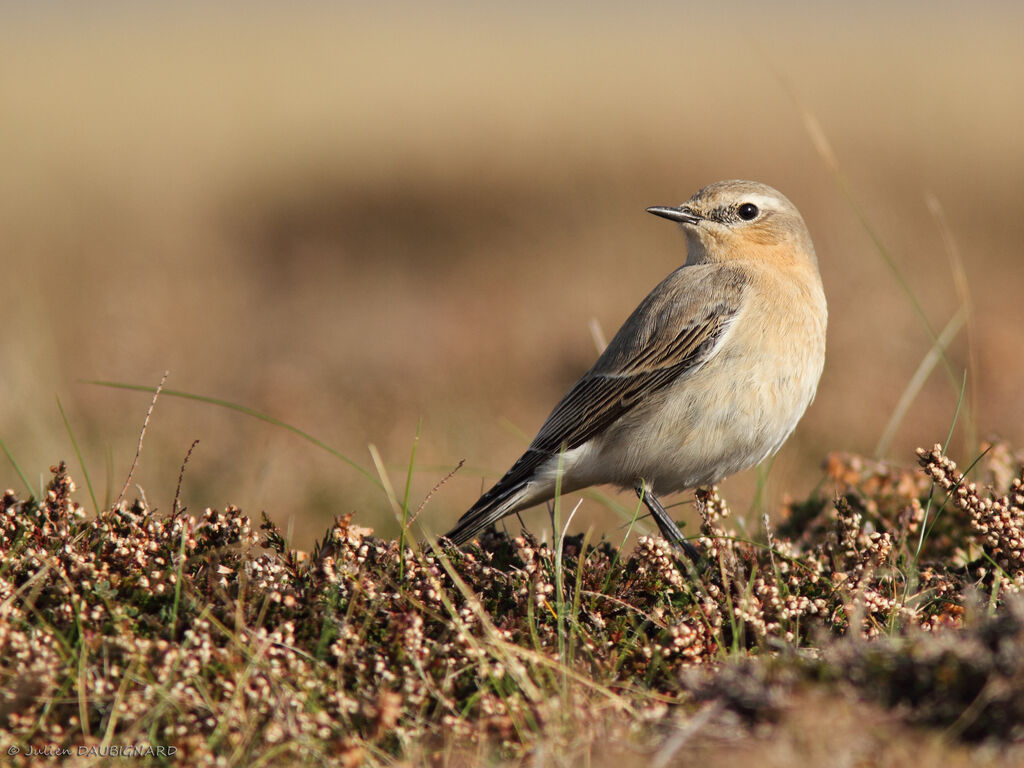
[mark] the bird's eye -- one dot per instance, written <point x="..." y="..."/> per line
<point x="748" y="211"/>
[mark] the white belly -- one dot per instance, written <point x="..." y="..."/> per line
<point x="728" y="416"/>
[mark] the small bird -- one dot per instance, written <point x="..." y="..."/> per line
<point x="707" y="377"/>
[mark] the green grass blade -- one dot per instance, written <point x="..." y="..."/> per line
<point x="963" y="292"/>
<point x="180" y="580"/>
<point x="761" y="473"/>
<point x="949" y="495"/>
<point x="925" y="526"/>
<point x="956" y="413"/>
<point x="385" y="482"/>
<point x="248" y="412"/>
<point x="78" y="453"/>
<point x="14" y="464"/>
<point x="574" y="615"/>
<point x="405" y="500"/>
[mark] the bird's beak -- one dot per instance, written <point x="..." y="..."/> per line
<point x="682" y="214"/>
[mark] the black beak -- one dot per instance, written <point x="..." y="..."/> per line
<point x="682" y="214"/>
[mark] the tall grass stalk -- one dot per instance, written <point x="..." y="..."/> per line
<point x="825" y="151"/>
<point x="385" y="482"/>
<point x="960" y="285"/>
<point x="181" y="578"/>
<point x="618" y="552"/>
<point x="581" y="560"/>
<point x="917" y="381"/>
<point x="558" y="534"/>
<point x="827" y="154"/>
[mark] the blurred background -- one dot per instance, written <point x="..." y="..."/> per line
<point x="376" y="221"/>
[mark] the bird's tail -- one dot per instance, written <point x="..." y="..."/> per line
<point x="510" y="494"/>
<point x="484" y="513"/>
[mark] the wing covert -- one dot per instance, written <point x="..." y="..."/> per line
<point x="673" y="332"/>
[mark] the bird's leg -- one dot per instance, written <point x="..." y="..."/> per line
<point x="665" y="523"/>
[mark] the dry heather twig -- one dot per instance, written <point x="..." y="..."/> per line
<point x="192" y="630"/>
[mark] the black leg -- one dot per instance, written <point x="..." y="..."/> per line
<point x="665" y="523"/>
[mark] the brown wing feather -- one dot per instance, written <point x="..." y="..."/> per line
<point x="642" y="359"/>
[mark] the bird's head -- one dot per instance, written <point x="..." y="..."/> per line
<point x="741" y="220"/>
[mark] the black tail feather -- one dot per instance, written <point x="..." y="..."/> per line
<point x="494" y="504"/>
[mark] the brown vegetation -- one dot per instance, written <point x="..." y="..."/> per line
<point x="196" y="632"/>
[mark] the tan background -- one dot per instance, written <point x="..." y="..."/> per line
<point x="354" y="220"/>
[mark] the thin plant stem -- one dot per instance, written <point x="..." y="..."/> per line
<point x="248" y="412"/>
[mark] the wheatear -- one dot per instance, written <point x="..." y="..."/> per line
<point x="707" y="377"/>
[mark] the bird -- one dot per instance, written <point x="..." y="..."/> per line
<point x="707" y="377"/>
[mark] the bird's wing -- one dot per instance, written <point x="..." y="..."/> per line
<point x="673" y="332"/>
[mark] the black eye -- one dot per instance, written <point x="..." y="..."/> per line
<point x="748" y="211"/>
